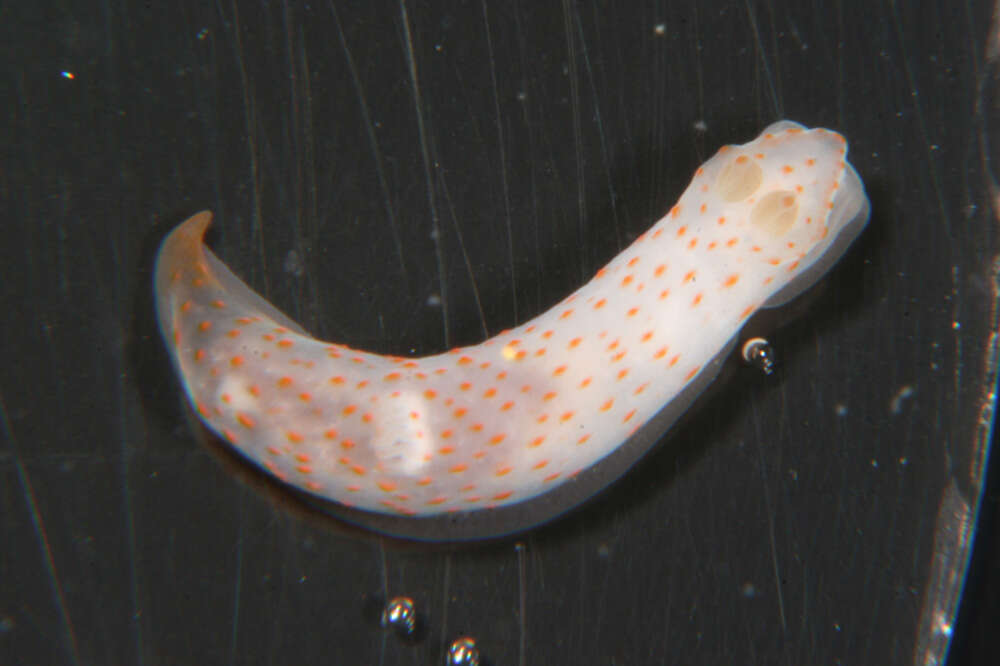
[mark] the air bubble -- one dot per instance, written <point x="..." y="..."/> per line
<point x="400" y="615"/>
<point x="759" y="353"/>
<point x="462" y="652"/>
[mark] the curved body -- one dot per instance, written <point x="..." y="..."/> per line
<point x="499" y="428"/>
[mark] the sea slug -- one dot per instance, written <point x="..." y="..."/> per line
<point x="485" y="440"/>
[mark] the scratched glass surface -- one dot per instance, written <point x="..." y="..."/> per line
<point x="404" y="179"/>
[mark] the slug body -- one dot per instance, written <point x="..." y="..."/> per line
<point x="484" y="440"/>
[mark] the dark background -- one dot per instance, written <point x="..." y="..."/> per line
<point x="406" y="177"/>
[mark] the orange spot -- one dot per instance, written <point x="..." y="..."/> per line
<point x="434" y="501"/>
<point x="387" y="486"/>
<point x="627" y="280"/>
<point x="331" y="433"/>
<point x="689" y="276"/>
<point x="536" y="442"/>
<point x="476" y="427"/>
<point x="506" y="406"/>
<point x="600" y="304"/>
<point x="337" y="380"/>
<point x="633" y="312"/>
<point x="520" y="354"/>
<point x="286" y="343"/>
<point x="430" y="394"/>
<point x="392" y="376"/>
<point x="367" y="417"/>
<point x="551" y="477"/>
<point x="742" y="159"/>
<point x="646" y="336"/>
<point x="566" y="416"/>
<point x="583" y="439"/>
<point x="496" y="439"/>
<point x="540" y="464"/>
<point x="692" y="243"/>
<point x="628" y="417"/>
<point x="810" y="162"/>
<point x="294" y="437"/>
<point x="632" y="262"/>
<point x="696" y="300"/>
<point x="566" y="314"/>
<point x="350" y="409"/>
<point x="503" y="471"/>
<point x="660" y="353"/>
<point x="575" y="342"/>
<point x="205" y="326"/>
<point x="489" y="393"/>
<point x="347" y="444"/>
<point x="691" y="373"/>
<point x="548" y="396"/>
<point x="234" y="333"/>
<point x="245" y="420"/>
<point x="675" y="211"/>
<point x="731" y="280"/>
<point x="236" y="361"/>
<point x="703" y="208"/>
<point x="601" y="273"/>
<point x="359" y="470"/>
<point x="660" y="270"/>
<point x="186" y="306"/>
<point x="558" y="371"/>
<point x="460" y="412"/>
<point x="586" y="382"/>
<point x="540" y="352"/>
<point x="305" y="397"/>
<point x="254" y="390"/>
<point x="622" y="374"/>
<point x="608" y="405"/>
<point x="664" y="294"/>
<point x="465" y="360"/>
<point x="445" y="434"/>
<point x="774" y="261"/>
<point x="458" y="469"/>
<point x="682" y="231"/>
<point x="732" y="241"/>
<point x="504" y="495"/>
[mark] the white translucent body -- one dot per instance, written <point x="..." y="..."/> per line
<point x="484" y="427"/>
